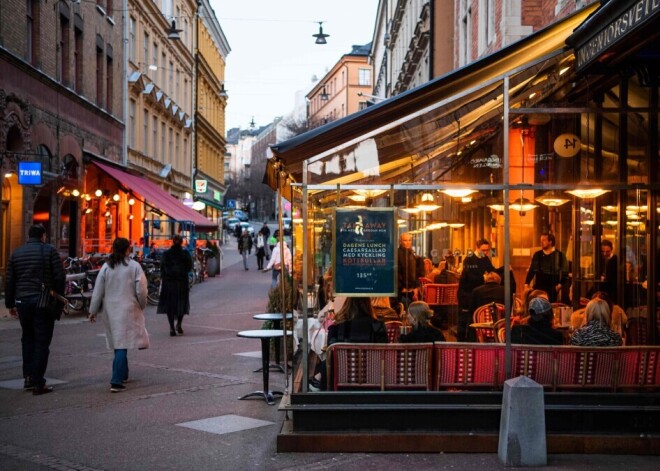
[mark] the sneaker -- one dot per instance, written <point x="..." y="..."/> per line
<point x="28" y="385"/>
<point x="115" y="388"/>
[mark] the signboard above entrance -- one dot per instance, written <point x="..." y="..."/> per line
<point x="29" y="173"/>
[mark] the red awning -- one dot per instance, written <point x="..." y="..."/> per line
<point x="158" y="198"/>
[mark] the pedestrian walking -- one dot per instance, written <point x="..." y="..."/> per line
<point x="32" y="268"/>
<point x="120" y="296"/>
<point x="261" y="250"/>
<point x="245" y="247"/>
<point x="265" y="231"/>
<point x="174" y="299"/>
<point x="275" y="262"/>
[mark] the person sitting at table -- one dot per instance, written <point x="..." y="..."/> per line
<point x="492" y="291"/>
<point x="596" y="332"/>
<point x="538" y="329"/>
<point x="383" y="309"/>
<point x="522" y="317"/>
<point x="618" y="318"/>
<point x="356" y="322"/>
<point x="419" y="315"/>
<point x="448" y="274"/>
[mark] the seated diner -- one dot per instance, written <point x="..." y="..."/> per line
<point x="538" y="329"/>
<point x="419" y="315"/>
<point x="596" y="332"/>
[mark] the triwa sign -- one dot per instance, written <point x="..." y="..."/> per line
<point x="364" y="252"/>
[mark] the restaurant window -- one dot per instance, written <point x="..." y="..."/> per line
<point x="131" y="38"/>
<point x="131" y="124"/>
<point x="78" y="60"/>
<point x="109" y="81"/>
<point x="364" y="77"/>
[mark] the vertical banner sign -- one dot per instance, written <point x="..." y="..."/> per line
<point x="364" y="251"/>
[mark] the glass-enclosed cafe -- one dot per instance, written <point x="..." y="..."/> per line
<point x="529" y="140"/>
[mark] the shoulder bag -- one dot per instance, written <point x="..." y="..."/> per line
<point x="46" y="298"/>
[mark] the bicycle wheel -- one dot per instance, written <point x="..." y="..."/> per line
<point x="153" y="291"/>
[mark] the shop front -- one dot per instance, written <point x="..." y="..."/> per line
<point x="529" y="141"/>
<point x="119" y="204"/>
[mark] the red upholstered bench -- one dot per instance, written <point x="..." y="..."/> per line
<point x="383" y="367"/>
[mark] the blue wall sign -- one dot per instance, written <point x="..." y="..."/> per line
<point x="29" y="173"/>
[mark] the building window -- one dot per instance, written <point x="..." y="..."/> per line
<point x="177" y="154"/>
<point x="154" y="131"/>
<point x="131" y="39"/>
<point x="185" y="93"/>
<point x="185" y="150"/>
<point x="32" y="31"/>
<point x="109" y="86"/>
<point x="146" y="47"/>
<point x="145" y="132"/>
<point x="162" y="141"/>
<point x="99" y="77"/>
<point x="154" y="56"/>
<point x="177" y="97"/>
<point x="65" y="52"/>
<point x="78" y="60"/>
<point x="364" y="77"/>
<point x="170" y="146"/>
<point x="466" y="27"/>
<point x="163" y="67"/>
<point x="170" y="82"/>
<point x="131" y="124"/>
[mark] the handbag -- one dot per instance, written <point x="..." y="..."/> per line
<point x="46" y="298"/>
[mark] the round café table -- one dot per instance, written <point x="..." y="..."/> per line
<point x="276" y="317"/>
<point x="264" y="336"/>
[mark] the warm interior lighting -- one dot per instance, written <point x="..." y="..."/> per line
<point x="635" y="223"/>
<point x="466" y="199"/>
<point x="88" y="198"/>
<point x="411" y="210"/>
<point x="611" y="223"/>
<point x="456" y="225"/>
<point x="370" y="193"/>
<point x="522" y="205"/>
<point x="130" y="217"/>
<point x="297" y="220"/>
<point x="610" y="208"/>
<point x="98" y="193"/>
<point x="497" y="207"/>
<point x="115" y="197"/>
<point x="436" y="225"/>
<point x="633" y="207"/>
<point x="358" y="198"/>
<point x="589" y="222"/>
<point x="587" y="193"/>
<point x="552" y="199"/>
<point x="131" y="201"/>
<point x="427" y="203"/>
<point x="107" y="214"/>
<point x="459" y="192"/>
<point x="563" y="71"/>
<point x="87" y="210"/>
<point x="9" y="174"/>
<point x="532" y="95"/>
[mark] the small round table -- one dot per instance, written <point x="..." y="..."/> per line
<point x="276" y="317"/>
<point x="264" y="336"/>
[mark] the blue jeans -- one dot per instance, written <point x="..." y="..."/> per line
<point x="245" y="258"/>
<point x="120" y="366"/>
<point x="275" y="276"/>
<point x="37" y="326"/>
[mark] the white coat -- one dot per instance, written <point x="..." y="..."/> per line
<point x="120" y="296"/>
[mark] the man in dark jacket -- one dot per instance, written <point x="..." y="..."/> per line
<point x="31" y="266"/>
<point x="475" y="267"/>
<point x="492" y="291"/>
<point x="549" y="269"/>
<point x="409" y="272"/>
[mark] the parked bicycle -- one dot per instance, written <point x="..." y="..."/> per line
<point x="151" y="270"/>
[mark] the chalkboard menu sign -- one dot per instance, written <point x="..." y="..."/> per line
<point x="364" y="252"/>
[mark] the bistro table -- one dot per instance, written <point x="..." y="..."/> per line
<point x="264" y="336"/>
<point x="276" y="317"/>
<point x="489" y="327"/>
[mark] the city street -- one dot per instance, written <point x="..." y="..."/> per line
<point x="180" y="410"/>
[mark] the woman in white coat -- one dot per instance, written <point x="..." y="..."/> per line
<point x="120" y="296"/>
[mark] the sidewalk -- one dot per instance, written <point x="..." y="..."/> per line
<point x="180" y="410"/>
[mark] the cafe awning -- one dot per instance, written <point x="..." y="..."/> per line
<point x="473" y="86"/>
<point x="158" y="198"/>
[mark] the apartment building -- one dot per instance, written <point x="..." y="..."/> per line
<point x="61" y="97"/>
<point x="345" y="89"/>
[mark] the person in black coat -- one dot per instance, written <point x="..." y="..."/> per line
<point x="356" y="322"/>
<point x="538" y="330"/>
<point x="419" y="315"/>
<point x="492" y="291"/>
<point x="475" y="267"/>
<point x="174" y="300"/>
<point x="549" y="269"/>
<point x="30" y="266"/>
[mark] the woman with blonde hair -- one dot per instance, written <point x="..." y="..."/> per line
<point x="596" y="332"/>
<point x="419" y="315"/>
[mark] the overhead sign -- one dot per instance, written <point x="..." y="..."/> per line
<point x="364" y="252"/>
<point x="567" y="145"/>
<point x="201" y="186"/>
<point x="638" y="13"/>
<point x="29" y="173"/>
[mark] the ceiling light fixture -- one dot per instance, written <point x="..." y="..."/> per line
<point x="552" y="198"/>
<point x="458" y="192"/>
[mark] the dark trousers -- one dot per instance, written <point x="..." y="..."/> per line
<point x="260" y="260"/>
<point x="465" y="333"/>
<point x="37" y="325"/>
<point x="172" y="317"/>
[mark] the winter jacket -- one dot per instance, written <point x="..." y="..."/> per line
<point x="31" y="265"/>
<point x="120" y="296"/>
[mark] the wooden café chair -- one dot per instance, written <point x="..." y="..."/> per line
<point x="485" y="319"/>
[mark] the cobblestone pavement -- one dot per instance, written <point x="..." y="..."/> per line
<point x="180" y="410"/>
